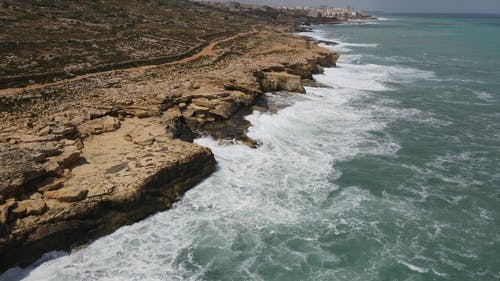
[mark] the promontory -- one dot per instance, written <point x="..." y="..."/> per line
<point x="100" y="102"/>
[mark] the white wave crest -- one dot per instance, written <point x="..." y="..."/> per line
<point x="414" y="267"/>
<point x="340" y="45"/>
<point x="485" y="96"/>
<point x="370" y="77"/>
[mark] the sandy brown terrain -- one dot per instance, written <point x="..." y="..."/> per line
<point x="51" y="40"/>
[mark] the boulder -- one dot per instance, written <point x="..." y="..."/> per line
<point x="99" y="126"/>
<point x="303" y="70"/>
<point x="203" y="102"/>
<point x="18" y="209"/>
<point x="18" y="167"/>
<point x="93" y="113"/>
<point x="328" y="59"/>
<point x="144" y="136"/>
<point x="224" y="109"/>
<point x="242" y="97"/>
<point x="51" y="186"/>
<point x="66" y="160"/>
<point x="190" y="111"/>
<point x="4" y="211"/>
<point x="144" y="140"/>
<point x="30" y="207"/>
<point x="282" y="81"/>
<point x="196" y="107"/>
<point x="69" y="194"/>
<point x="45" y="131"/>
<point x="64" y="131"/>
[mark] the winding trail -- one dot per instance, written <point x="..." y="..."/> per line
<point x="208" y="50"/>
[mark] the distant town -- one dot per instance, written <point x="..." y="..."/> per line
<point x="325" y="12"/>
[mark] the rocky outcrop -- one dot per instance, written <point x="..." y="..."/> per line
<point x="328" y="59"/>
<point x="80" y="159"/>
<point x="282" y="81"/>
<point x="19" y="167"/>
<point x="220" y="112"/>
<point x="123" y="179"/>
<point x="99" y="126"/>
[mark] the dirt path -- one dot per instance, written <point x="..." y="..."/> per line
<point x="208" y="50"/>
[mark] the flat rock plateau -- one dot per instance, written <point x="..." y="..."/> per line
<point x="100" y="102"/>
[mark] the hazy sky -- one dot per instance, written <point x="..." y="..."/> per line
<point x="432" y="6"/>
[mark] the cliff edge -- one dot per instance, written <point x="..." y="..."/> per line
<point x="83" y="156"/>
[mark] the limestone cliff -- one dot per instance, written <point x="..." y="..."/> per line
<point x="83" y="156"/>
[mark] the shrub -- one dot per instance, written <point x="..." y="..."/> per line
<point x="5" y="4"/>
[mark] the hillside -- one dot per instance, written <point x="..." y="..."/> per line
<point x="41" y="41"/>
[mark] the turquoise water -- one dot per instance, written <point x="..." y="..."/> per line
<point x="390" y="174"/>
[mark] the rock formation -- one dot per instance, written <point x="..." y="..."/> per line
<point x="82" y="157"/>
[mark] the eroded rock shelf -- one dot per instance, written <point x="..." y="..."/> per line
<point x="80" y="158"/>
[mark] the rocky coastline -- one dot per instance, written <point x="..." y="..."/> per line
<point x="81" y="157"/>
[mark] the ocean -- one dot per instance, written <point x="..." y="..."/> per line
<point x="392" y="173"/>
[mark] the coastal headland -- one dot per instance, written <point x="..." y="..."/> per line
<point x="99" y="106"/>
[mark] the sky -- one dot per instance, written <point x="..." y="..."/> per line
<point x="407" y="6"/>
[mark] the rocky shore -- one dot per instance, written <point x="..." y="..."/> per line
<point x="81" y="157"/>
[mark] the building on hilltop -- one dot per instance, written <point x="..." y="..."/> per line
<point x="232" y="5"/>
<point x="313" y="14"/>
